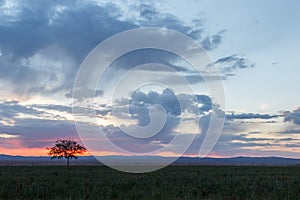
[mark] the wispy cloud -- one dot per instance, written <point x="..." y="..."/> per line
<point x="229" y="64"/>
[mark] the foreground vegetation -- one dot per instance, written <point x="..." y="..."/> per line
<point x="174" y="182"/>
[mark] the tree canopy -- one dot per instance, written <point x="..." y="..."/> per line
<point x="67" y="148"/>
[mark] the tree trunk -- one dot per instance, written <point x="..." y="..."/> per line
<point x="68" y="161"/>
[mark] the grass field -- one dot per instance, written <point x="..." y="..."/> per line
<point x="173" y="182"/>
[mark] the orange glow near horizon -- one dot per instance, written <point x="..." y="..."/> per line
<point x="24" y="151"/>
<point x="44" y="152"/>
<point x="28" y="152"/>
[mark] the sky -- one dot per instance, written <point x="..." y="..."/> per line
<point x="253" y="44"/>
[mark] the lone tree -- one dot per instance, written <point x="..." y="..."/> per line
<point x="67" y="148"/>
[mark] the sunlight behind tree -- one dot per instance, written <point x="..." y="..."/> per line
<point x="67" y="148"/>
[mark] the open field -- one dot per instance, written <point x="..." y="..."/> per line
<point x="173" y="182"/>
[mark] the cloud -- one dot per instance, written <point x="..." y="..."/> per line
<point x="34" y="125"/>
<point x="61" y="34"/>
<point x="290" y="131"/>
<point x="43" y="44"/>
<point x="56" y="35"/>
<point x="237" y="137"/>
<point x="84" y="94"/>
<point x="234" y="135"/>
<point x="250" y="116"/>
<point x="292" y="145"/>
<point x="35" y="133"/>
<point x="69" y="24"/>
<point x="180" y="108"/>
<point x="7" y="135"/>
<point x="140" y="104"/>
<point x="11" y="109"/>
<point x="293" y="116"/>
<point x="143" y="56"/>
<point x="148" y="12"/>
<point x="150" y="16"/>
<point x="236" y="143"/>
<point x="23" y="53"/>
<point x="212" y="42"/>
<point x="229" y="64"/>
<point x="37" y="125"/>
<point x="47" y="107"/>
<point x="138" y="145"/>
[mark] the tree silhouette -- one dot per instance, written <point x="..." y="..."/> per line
<point x="67" y="148"/>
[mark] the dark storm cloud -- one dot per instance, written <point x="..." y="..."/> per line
<point x="293" y="116"/>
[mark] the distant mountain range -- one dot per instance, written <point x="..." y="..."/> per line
<point x="90" y="160"/>
<point x="239" y="161"/>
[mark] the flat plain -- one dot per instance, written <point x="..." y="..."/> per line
<point x="173" y="182"/>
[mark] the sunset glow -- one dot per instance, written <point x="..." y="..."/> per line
<point x="44" y="49"/>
